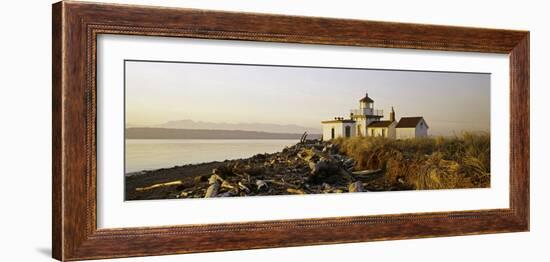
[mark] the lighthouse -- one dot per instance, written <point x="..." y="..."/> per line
<point x="367" y="121"/>
<point x="365" y="115"/>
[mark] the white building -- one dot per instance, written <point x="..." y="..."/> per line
<point x="339" y="127"/>
<point x="366" y="121"/>
<point x="382" y="128"/>
<point x="411" y="127"/>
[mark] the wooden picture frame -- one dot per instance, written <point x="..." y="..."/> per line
<point x="76" y="26"/>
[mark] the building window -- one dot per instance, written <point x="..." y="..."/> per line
<point x="332" y="133"/>
<point x="348" y="131"/>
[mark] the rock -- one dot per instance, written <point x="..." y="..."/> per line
<point x="309" y="154"/>
<point x="348" y="163"/>
<point x="323" y="169"/>
<point x="261" y="184"/>
<point x="199" y="179"/>
<point x="313" y="166"/>
<point x="345" y="175"/>
<point x="222" y="171"/>
<point x="356" y="187"/>
<point x="319" y="166"/>
<point x="327" y="188"/>
<point x="212" y="190"/>
<point x="216" y="171"/>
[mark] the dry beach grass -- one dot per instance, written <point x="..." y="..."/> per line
<point x="426" y="163"/>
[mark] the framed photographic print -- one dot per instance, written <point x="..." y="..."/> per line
<point x="182" y="130"/>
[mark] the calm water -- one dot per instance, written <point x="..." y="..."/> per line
<point x="145" y="154"/>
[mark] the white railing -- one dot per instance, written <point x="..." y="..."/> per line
<point x="371" y="112"/>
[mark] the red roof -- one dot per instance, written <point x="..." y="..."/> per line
<point x="409" y="122"/>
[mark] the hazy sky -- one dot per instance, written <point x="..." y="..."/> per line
<point x="159" y="92"/>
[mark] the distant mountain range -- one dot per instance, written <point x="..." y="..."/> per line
<point x="175" y="133"/>
<point x="259" y="127"/>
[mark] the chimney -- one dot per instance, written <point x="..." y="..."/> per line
<point x="392" y="115"/>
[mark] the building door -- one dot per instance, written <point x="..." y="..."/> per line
<point x="383" y="132"/>
<point x="348" y="131"/>
<point x="359" y="131"/>
<point x="332" y="133"/>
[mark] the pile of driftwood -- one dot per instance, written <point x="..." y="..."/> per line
<point x="309" y="167"/>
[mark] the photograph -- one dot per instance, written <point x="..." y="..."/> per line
<point x="232" y="131"/>
<point x="210" y="130"/>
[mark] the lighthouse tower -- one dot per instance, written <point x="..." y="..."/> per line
<point x="366" y="105"/>
<point x="365" y="115"/>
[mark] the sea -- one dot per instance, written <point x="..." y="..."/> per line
<point x="150" y="154"/>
